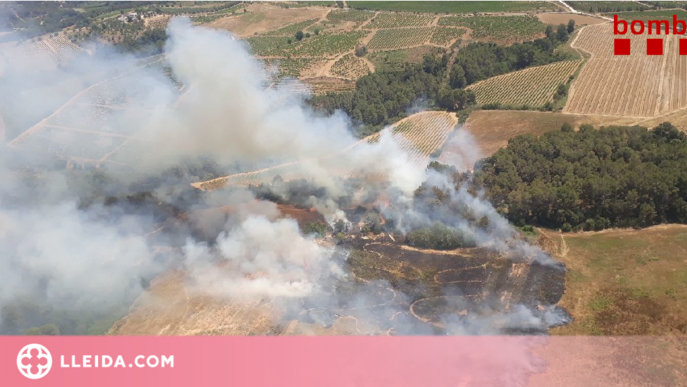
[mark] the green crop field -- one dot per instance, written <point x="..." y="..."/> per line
<point x="293" y="67"/>
<point x="455" y="6"/>
<point x="444" y="35"/>
<point x="291" y="29"/>
<point x="314" y="46"/>
<point x="394" y="39"/>
<point x="326" y="45"/>
<point x="531" y="87"/>
<point x="394" y="20"/>
<point x="354" y="15"/>
<point x="508" y="28"/>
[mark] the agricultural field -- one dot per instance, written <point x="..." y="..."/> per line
<point x="291" y="30"/>
<point x="295" y="67"/>
<point x="262" y="17"/>
<point x="637" y="85"/>
<point x="323" y="85"/>
<point x="444" y="36"/>
<point x="652" y="15"/>
<point x="350" y="66"/>
<point x="607" y="6"/>
<point x="400" y="38"/>
<point x="395" y="58"/>
<point x="92" y="128"/>
<point x="156" y="22"/>
<point x="531" y="87"/>
<point x="456" y="6"/>
<point x="499" y="28"/>
<point x="328" y="45"/>
<point x="423" y="134"/>
<point x="419" y="136"/>
<point x="314" y="46"/>
<point x="490" y="130"/>
<point x="397" y="20"/>
<point x="352" y="15"/>
<point x="47" y="50"/>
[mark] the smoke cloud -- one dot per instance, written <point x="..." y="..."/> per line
<point x="60" y="245"/>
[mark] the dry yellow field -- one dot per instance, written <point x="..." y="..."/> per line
<point x="638" y="85"/>
<point x="263" y="17"/>
<point x="491" y="129"/>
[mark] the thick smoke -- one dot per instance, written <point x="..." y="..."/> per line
<point x="55" y="248"/>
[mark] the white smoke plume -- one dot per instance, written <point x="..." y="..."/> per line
<point x="260" y="257"/>
<point x="85" y="255"/>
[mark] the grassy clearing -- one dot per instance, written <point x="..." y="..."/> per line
<point x="394" y="59"/>
<point x="626" y="282"/>
<point x="454" y="6"/>
<point x="505" y="28"/>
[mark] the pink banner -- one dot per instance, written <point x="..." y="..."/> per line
<point x="339" y="361"/>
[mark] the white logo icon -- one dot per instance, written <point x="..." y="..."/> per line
<point x="34" y="361"/>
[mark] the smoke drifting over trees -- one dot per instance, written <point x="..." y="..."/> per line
<point x="85" y="241"/>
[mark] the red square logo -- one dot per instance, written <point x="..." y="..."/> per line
<point x="654" y="46"/>
<point x="683" y="46"/>
<point x="621" y="46"/>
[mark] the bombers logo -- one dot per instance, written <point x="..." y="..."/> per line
<point x="34" y="361"/>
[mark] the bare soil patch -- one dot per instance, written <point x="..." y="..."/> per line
<point x="678" y="118"/>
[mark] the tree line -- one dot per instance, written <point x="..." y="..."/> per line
<point x="386" y="96"/>
<point x="590" y="179"/>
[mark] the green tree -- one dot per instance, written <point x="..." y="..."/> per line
<point x="457" y="78"/>
<point x="562" y="33"/>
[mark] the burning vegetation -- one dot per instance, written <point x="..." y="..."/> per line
<point x="361" y="238"/>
